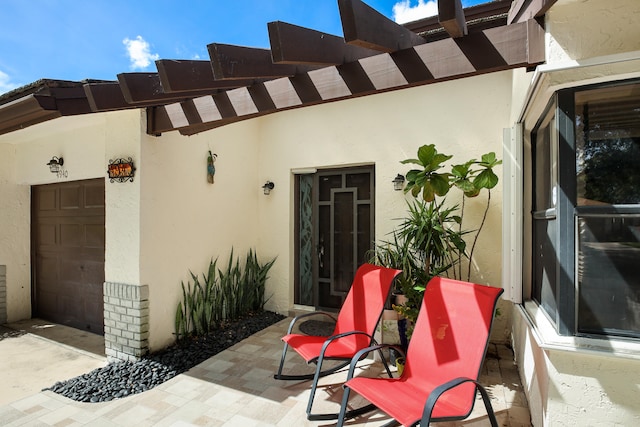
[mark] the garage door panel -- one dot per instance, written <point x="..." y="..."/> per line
<point x="70" y="197"/>
<point x="94" y="195"/>
<point x="71" y="309"/>
<point x="48" y="304"/>
<point x="47" y="263"/>
<point x="92" y="270"/>
<point x="70" y="235"/>
<point x="69" y="253"/>
<point x="47" y="234"/>
<point x="94" y="236"/>
<point x="46" y="200"/>
<point x="70" y="273"/>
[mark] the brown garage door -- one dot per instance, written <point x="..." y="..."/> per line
<point x="68" y="253"/>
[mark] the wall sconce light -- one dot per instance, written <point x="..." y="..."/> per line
<point x="398" y="182"/>
<point x="267" y="187"/>
<point x="55" y="164"/>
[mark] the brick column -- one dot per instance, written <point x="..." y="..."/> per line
<point x="3" y="294"/>
<point x="126" y="321"/>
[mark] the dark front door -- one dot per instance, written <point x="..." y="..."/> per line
<point x="334" y="233"/>
<point x="68" y="253"/>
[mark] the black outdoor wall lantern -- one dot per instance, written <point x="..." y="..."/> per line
<point x="398" y="182"/>
<point x="267" y="187"/>
<point x="55" y="164"/>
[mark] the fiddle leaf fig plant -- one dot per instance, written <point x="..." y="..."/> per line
<point x="428" y="180"/>
<point x="430" y="239"/>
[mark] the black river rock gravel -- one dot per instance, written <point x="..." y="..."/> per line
<point x="120" y="379"/>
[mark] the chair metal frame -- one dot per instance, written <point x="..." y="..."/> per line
<point x="431" y="396"/>
<point x="387" y="277"/>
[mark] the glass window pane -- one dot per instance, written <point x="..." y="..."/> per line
<point x="365" y="244"/>
<point x="608" y="145"/>
<point x="608" y="278"/>
<point x="328" y="182"/>
<point x="361" y="181"/>
<point x="304" y="294"/>
<point x="343" y="241"/>
<point x="545" y="260"/>
<point x="545" y="168"/>
<point x="545" y="267"/>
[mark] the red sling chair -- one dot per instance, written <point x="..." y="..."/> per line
<point x="354" y="329"/>
<point x="443" y="360"/>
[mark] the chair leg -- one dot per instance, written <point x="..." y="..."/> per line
<point x="314" y="386"/>
<point x="343" y="407"/>
<point x="278" y="376"/>
<point x="332" y="416"/>
<point x="487" y="404"/>
<point x="384" y="362"/>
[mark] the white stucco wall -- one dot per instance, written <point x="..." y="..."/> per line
<point x="572" y="381"/>
<point x="579" y="29"/>
<point x="86" y="143"/>
<point x="185" y="222"/>
<point x="462" y="117"/>
<point x="576" y="387"/>
<point x="165" y="223"/>
<point x="122" y="135"/>
<point x="14" y="236"/>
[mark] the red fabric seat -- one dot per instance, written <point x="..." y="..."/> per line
<point x="443" y="360"/>
<point x="355" y="325"/>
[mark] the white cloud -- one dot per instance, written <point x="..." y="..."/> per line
<point x="139" y="54"/>
<point x="404" y="12"/>
<point x="5" y="83"/>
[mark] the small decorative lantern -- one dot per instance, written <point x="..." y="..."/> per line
<point x="267" y="187"/>
<point x="398" y="182"/>
<point x="55" y="164"/>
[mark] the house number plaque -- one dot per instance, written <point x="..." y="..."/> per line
<point x="121" y="170"/>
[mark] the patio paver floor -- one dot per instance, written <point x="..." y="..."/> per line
<point x="236" y="388"/>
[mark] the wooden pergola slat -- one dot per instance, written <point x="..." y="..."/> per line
<point x="105" y="96"/>
<point x="142" y="89"/>
<point x="291" y="44"/>
<point x="451" y="17"/>
<point x="366" y="27"/>
<point x="240" y="62"/>
<point x="192" y="75"/>
<point x="524" y="10"/>
<point x="494" y="49"/>
<point x="305" y="67"/>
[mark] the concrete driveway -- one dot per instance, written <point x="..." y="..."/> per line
<point x="35" y="354"/>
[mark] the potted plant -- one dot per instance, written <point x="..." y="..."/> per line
<point x="430" y="239"/>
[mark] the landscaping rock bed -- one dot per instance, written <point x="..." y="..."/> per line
<point x="123" y="379"/>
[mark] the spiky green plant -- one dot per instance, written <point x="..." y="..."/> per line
<point x="222" y="295"/>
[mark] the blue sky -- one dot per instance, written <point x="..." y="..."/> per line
<point x="98" y="39"/>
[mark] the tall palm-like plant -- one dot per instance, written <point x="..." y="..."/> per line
<point x="430" y="239"/>
<point x="470" y="177"/>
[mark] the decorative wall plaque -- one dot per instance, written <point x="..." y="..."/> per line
<point x="121" y="170"/>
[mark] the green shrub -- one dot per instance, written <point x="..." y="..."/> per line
<point x="221" y="295"/>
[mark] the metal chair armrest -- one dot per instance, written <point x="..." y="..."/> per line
<point x="305" y="315"/>
<point x="438" y="391"/>
<point x="362" y="353"/>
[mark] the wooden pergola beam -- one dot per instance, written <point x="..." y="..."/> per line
<point x="192" y="75"/>
<point x="493" y="49"/>
<point x="366" y="27"/>
<point x="240" y="62"/>
<point x="142" y="89"/>
<point x="291" y="44"/>
<point x="524" y="10"/>
<point x="451" y="17"/>
<point x="105" y="96"/>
